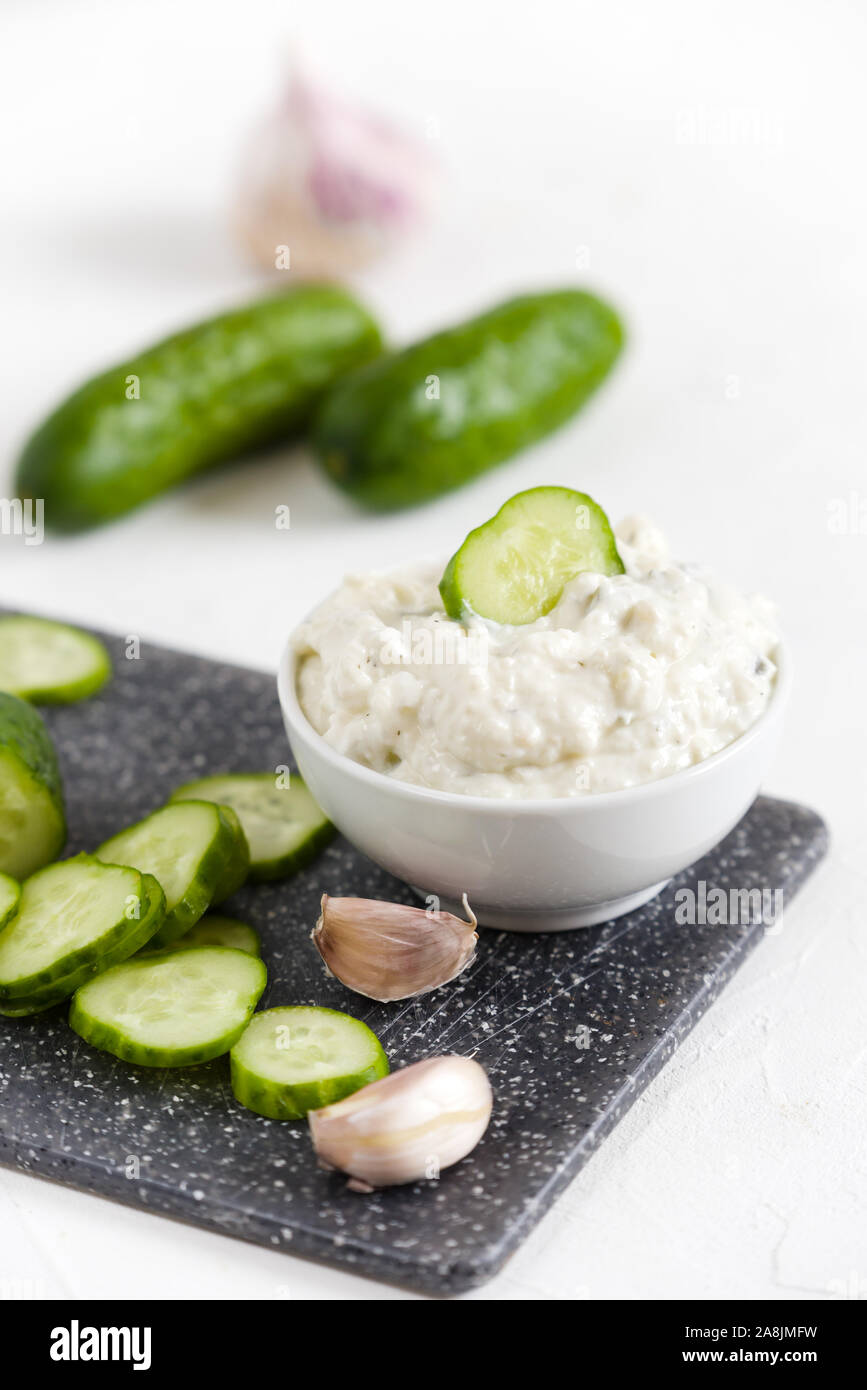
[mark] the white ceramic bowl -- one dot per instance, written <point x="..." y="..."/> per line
<point x="537" y="865"/>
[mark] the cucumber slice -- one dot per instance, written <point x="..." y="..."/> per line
<point x="283" y="824"/>
<point x="170" y="1009"/>
<point x="10" y="896"/>
<point x="23" y="1009"/>
<point x="218" y="931"/>
<point x="515" y="567"/>
<point x="237" y="865"/>
<point x="188" y="849"/>
<point x="75" y="919"/>
<point x="291" y="1060"/>
<point x="153" y="907"/>
<point x="50" y="662"/>
<point x="32" y="819"/>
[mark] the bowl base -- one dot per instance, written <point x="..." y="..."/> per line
<point x="559" y="919"/>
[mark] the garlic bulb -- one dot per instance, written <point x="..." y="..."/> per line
<point x="408" y="1126"/>
<point x="327" y="187"/>
<point x="388" y="951"/>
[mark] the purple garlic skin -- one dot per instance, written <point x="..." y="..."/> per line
<point x="327" y="187"/>
<point x="388" y="951"/>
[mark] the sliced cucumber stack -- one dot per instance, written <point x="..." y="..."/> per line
<point x="190" y="849"/>
<point x="32" y="819"/>
<point x="283" y="824"/>
<point x="170" y="1009"/>
<point x="74" y="919"/>
<point x="50" y="662"/>
<point x="218" y="931"/>
<point x="514" y="568"/>
<point x="291" y="1060"/>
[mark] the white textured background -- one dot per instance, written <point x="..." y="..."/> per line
<point x="707" y="161"/>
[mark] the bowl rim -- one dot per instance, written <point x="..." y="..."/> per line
<point x="525" y="805"/>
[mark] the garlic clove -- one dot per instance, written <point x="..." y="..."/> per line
<point x="408" y="1126"/>
<point x="328" y="186"/>
<point x="389" y="951"/>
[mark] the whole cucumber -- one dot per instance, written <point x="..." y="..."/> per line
<point x="217" y="390"/>
<point x="416" y="423"/>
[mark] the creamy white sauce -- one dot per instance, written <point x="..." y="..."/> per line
<point x="626" y="680"/>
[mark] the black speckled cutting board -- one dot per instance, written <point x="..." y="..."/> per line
<point x="176" y="1143"/>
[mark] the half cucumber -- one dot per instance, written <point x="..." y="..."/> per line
<point x="75" y="919"/>
<point x="291" y="1060"/>
<point x="218" y="931"/>
<point x="32" y="819"/>
<point x="190" y="849"/>
<point x="283" y="824"/>
<point x="50" y="662"/>
<point x="514" y="568"/>
<point x="170" y="1009"/>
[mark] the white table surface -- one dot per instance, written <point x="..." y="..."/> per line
<point x="705" y="165"/>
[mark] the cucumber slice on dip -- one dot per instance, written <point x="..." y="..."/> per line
<point x="515" y="567"/>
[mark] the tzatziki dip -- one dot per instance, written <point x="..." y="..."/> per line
<point x="628" y="678"/>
